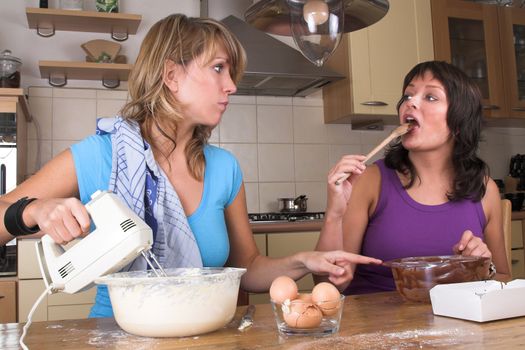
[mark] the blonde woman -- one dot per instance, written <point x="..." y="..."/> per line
<point x="156" y="158"/>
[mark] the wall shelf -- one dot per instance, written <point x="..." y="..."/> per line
<point x="58" y="72"/>
<point x="47" y="21"/>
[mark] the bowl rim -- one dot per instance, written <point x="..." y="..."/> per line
<point x="302" y="301"/>
<point x="175" y="275"/>
<point x="440" y="260"/>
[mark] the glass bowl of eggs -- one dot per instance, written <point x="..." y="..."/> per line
<point x="315" y="314"/>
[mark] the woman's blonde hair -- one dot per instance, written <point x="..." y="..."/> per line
<point x="180" y="39"/>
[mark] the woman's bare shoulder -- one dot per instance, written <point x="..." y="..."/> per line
<point x="367" y="187"/>
<point x="491" y="200"/>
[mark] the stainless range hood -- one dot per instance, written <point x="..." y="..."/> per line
<point x="274" y="68"/>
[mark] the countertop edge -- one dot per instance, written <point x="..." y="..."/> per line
<point x="518" y="215"/>
<point x="286" y="226"/>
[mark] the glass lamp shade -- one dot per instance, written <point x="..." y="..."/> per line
<point x="316" y="30"/>
<point x="316" y="27"/>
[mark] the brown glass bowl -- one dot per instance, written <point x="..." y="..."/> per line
<point x="415" y="276"/>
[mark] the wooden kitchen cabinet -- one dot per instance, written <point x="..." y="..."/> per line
<point x="375" y="60"/>
<point x="119" y="25"/>
<point x="58" y="306"/>
<point x="518" y="253"/>
<point x="7" y="301"/>
<point x="485" y="42"/>
<point x="512" y="34"/>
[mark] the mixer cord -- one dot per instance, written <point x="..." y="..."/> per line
<point x="30" y="316"/>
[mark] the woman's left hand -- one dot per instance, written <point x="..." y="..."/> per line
<point x="338" y="265"/>
<point x="470" y="245"/>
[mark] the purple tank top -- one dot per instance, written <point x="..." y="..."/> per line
<point x="401" y="227"/>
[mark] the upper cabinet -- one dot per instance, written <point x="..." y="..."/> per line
<point x="375" y="61"/>
<point x="488" y="43"/>
<point x="512" y="32"/>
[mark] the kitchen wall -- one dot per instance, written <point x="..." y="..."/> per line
<point x="282" y="144"/>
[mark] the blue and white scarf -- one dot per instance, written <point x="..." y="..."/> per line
<point x="138" y="180"/>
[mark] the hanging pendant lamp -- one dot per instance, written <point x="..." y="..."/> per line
<point x="315" y="25"/>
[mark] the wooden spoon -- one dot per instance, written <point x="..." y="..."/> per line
<point x="399" y="131"/>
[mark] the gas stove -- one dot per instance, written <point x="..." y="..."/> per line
<point x="285" y="216"/>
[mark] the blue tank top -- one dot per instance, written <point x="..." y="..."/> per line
<point x="401" y="227"/>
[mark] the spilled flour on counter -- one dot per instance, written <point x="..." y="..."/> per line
<point x="54" y="326"/>
<point x="120" y="339"/>
<point x="412" y="339"/>
<point x="115" y="339"/>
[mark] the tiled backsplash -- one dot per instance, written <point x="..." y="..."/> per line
<point x="282" y="143"/>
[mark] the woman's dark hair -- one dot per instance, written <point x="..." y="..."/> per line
<point x="464" y="119"/>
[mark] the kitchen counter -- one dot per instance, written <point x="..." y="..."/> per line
<point x="286" y="226"/>
<point x="518" y="215"/>
<point x="374" y="321"/>
<point x="315" y="225"/>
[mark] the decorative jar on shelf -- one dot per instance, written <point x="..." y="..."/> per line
<point x="9" y="70"/>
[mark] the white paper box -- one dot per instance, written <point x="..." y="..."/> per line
<point x="479" y="301"/>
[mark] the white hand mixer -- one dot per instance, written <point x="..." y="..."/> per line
<point x="120" y="236"/>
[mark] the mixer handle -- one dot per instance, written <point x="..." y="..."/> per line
<point x="47" y="251"/>
<point x="51" y="248"/>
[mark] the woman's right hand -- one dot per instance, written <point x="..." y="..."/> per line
<point x="339" y="192"/>
<point x="338" y="265"/>
<point x="64" y="219"/>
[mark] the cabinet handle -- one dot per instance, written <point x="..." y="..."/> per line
<point x="374" y="103"/>
<point x="490" y="107"/>
<point x="514" y="261"/>
<point x="1" y="296"/>
<point x="519" y="109"/>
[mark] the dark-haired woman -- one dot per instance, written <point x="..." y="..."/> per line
<point x="430" y="195"/>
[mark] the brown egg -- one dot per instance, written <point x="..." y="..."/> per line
<point x="307" y="297"/>
<point x="282" y="288"/>
<point x="300" y="314"/>
<point x="327" y="298"/>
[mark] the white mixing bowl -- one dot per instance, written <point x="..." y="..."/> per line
<point x="190" y="301"/>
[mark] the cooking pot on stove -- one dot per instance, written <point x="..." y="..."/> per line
<point x="9" y="70"/>
<point x="293" y="205"/>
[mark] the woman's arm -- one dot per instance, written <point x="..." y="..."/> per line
<point x="493" y="233"/>
<point x="263" y="270"/>
<point x="338" y="195"/>
<point x="493" y="243"/>
<point x="54" y="210"/>
<point x="361" y="206"/>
